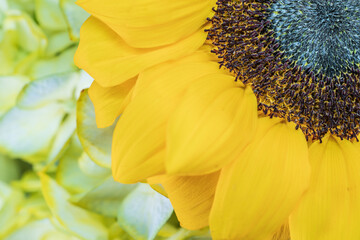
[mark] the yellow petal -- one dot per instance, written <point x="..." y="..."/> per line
<point x="259" y="190"/>
<point x="283" y="233"/>
<point x="139" y="138"/>
<point x="109" y="102"/>
<point x="151" y="23"/>
<point x="330" y="209"/>
<point x="200" y="56"/>
<point x="110" y="61"/>
<point x="192" y="198"/>
<point x="159" y="188"/>
<point x="156" y="183"/>
<point x="213" y="123"/>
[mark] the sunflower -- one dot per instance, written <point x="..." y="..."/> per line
<point x="246" y="112"/>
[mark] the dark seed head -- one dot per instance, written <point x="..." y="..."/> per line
<point x="300" y="57"/>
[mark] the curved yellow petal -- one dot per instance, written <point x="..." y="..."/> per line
<point x="213" y="123"/>
<point x="138" y="148"/>
<point x="110" y="102"/>
<point x="192" y="198"/>
<point x="330" y="209"/>
<point x="258" y="191"/>
<point x="151" y="23"/>
<point x="109" y="60"/>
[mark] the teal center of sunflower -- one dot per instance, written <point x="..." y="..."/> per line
<point x="301" y="59"/>
<point x="321" y="35"/>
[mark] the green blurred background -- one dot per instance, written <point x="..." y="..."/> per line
<point x="55" y="177"/>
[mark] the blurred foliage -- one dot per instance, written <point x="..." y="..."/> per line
<point x="55" y="177"/>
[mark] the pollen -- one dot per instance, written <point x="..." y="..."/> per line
<point x="301" y="59"/>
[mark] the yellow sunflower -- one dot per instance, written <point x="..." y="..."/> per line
<point x="247" y="112"/>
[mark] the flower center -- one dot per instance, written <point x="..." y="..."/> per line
<point x="321" y="35"/>
<point x="300" y="57"/>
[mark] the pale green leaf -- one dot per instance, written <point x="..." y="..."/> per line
<point x="23" y="5"/>
<point x="37" y="230"/>
<point x="10" y="87"/>
<point x="96" y="141"/>
<point x="3" y="7"/>
<point x="90" y="168"/>
<point x="69" y="174"/>
<point x="143" y="212"/>
<point x="10" y="200"/>
<point x="28" y="34"/>
<point x="58" y="42"/>
<point x="59" y="87"/>
<point x="25" y="62"/>
<point x="61" y="141"/>
<point x="75" y="17"/>
<point x="28" y="133"/>
<point x="106" y="198"/>
<point x="22" y="41"/>
<point x="84" y="83"/>
<point x="81" y="222"/>
<point x="49" y="15"/>
<point x="54" y="65"/>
